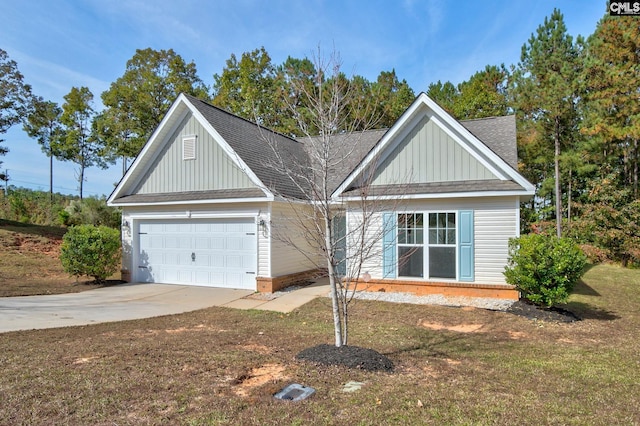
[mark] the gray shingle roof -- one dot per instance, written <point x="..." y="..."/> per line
<point x="439" y="188"/>
<point x="353" y="148"/>
<point x="499" y="134"/>
<point x="255" y="146"/>
<point x="221" y="194"/>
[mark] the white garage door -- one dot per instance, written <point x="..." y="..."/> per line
<point x="215" y="253"/>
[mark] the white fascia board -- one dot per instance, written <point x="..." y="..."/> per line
<point x="229" y="151"/>
<point x="150" y="146"/>
<point x="440" y="195"/>
<point x="195" y="202"/>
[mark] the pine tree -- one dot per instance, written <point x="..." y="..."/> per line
<point x="545" y="91"/>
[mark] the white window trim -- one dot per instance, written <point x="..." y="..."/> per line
<point x="425" y="245"/>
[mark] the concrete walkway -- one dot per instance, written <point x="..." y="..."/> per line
<point x="135" y="301"/>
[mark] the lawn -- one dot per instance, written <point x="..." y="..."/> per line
<point x="452" y="366"/>
<point x="30" y="264"/>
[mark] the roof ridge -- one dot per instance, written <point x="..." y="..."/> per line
<point x="493" y="117"/>
<point x="246" y="120"/>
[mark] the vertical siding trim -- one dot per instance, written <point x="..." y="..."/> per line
<point x="389" y="263"/>
<point x="466" y="261"/>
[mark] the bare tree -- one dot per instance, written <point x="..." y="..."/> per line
<point x="334" y="122"/>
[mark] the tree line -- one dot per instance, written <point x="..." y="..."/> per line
<point x="576" y="100"/>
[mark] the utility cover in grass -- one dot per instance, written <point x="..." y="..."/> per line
<point x="349" y="356"/>
<point x="295" y="392"/>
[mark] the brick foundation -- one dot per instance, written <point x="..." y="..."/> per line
<point x="422" y="288"/>
<point x="269" y="285"/>
<point x="125" y="275"/>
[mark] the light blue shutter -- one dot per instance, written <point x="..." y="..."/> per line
<point x="340" y="237"/>
<point x="389" y="263"/>
<point x="465" y="245"/>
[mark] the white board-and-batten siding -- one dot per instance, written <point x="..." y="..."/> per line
<point x="496" y="220"/>
<point x="211" y="169"/>
<point x="429" y="154"/>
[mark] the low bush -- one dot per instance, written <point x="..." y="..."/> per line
<point x="90" y="211"/>
<point x="90" y="250"/>
<point x="544" y="269"/>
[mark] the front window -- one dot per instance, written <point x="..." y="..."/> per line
<point x="410" y="245"/>
<point x="433" y="256"/>
<point x="442" y="245"/>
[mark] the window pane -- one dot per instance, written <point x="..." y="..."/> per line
<point x="402" y="236"/>
<point x="419" y="236"/>
<point x="410" y="261"/>
<point x="451" y="220"/>
<point x="402" y="221"/>
<point x="442" y="220"/>
<point x="432" y="220"/>
<point x="442" y="262"/>
<point x="433" y="237"/>
<point x="419" y="220"/>
<point x="451" y="236"/>
<point x="442" y="236"/>
<point x="411" y="236"/>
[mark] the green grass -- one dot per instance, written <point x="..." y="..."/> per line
<point x="191" y="368"/>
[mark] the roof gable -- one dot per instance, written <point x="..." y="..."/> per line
<point x="246" y="150"/>
<point x="429" y="154"/>
<point x="493" y="166"/>
<point x="211" y="168"/>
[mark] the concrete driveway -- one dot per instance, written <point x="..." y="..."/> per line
<point x="135" y="301"/>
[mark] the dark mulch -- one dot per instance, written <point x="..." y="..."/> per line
<point x="349" y="356"/>
<point x="528" y="310"/>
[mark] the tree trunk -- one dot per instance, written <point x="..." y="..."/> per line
<point x="50" y="177"/>
<point x="81" y="179"/>
<point x="569" y="199"/>
<point x="557" y="173"/>
<point x="335" y="302"/>
<point x="635" y="169"/>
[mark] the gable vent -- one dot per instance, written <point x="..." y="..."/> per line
<point x="189" y="148"/>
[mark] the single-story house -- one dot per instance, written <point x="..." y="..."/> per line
<point x="201" y="201"/>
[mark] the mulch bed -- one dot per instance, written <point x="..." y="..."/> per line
<point x="528" y="310"/>
<point x="348" y="356"/>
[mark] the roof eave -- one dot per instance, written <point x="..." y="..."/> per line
<point x="470" y="194"/>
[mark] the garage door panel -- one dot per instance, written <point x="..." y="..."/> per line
<point x="201" y="243"/>
<point x="225" y="252"/>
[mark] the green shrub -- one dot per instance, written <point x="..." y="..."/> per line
<point x="544" y="269"/>
<point x="90" y="250"/>
<point x="90" y="211"/>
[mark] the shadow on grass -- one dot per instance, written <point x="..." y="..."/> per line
<point x="584" y="290"/>
<point x="586" y="311"/>
<point x="430" y="343"/>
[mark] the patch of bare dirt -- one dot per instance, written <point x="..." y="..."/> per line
<point x="516" y="335"/>
<point x="257" y="377"/>
<point x="460" y="328"/>
<point x="35" y="244"/>
<point x="84" y="360"/>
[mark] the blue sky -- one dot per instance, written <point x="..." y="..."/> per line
<point x="64" y="43"/>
